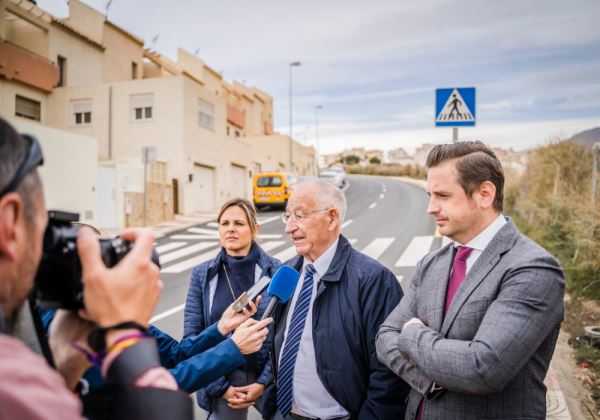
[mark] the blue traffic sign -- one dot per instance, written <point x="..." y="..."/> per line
<point x="455" y="107"/>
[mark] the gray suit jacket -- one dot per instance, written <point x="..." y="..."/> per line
<point x="492" y="350"/>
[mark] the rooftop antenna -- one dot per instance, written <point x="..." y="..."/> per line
<point x="108" y="3"/>
<point x="154" y="42"/>
<point x="197" y="51"/>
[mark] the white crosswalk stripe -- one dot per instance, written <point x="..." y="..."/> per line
<point x="286" y="254"/>
<point x="270" y="236"/>
<point x="172" y="256"/>
<point x="377" y="247"/>
<point x="445" y="241"/>
<point x="346" y="223"/>
<point x="270" y="245"/>
<point x="353" y="241"/>
<point x="192" y="262"/>
<point x="418" y="247"/>
<point x="185" y="237"/>
<point x="169" y="247"/>
<point x="203" y="231"/>
<point x="268" y="220"/>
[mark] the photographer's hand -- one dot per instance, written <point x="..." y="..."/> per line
<point x="231" y="319"/>
<point x="127" y="292"/>
<point x="67" y="328"/>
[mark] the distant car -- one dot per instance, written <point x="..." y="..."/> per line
<point x="340" y="171"/>
<point x="332" y="177"/>
<point x="272" y="188"/>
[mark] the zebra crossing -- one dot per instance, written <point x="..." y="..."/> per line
<point x="186" y="250"/>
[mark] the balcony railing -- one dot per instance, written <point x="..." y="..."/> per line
<point x="236" y="117"/>
<point x="23" y="66"/>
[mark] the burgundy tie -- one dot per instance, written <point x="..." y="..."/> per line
<point x="459" y="271"/>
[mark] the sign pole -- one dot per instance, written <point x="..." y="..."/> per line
<point x="454" y="134"/>
<point x="145" y="183"/>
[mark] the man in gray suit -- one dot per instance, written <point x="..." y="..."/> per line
<point x="475" y="332"/>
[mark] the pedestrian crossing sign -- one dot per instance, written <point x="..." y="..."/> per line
<point x="455" y="107"/>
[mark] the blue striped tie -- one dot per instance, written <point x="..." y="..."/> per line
<point x="285" y="375"/>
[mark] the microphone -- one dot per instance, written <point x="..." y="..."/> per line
<point x="282" y="287"/>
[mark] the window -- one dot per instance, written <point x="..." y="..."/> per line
<point x="62" y="71"/>
<point x="141" y="107"/>
<point x="268" y="181"/>
<point x="81" y="112"/>
<point x="133" y="70"/>
<point x="28" y="108"/>
<point x="237" y="133"/>
<point x="228" y="130"/>
<point x="206" y="114"/>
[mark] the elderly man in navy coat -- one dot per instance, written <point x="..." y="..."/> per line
<point x="324" y="360"/>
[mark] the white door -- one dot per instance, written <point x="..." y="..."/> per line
<point x="204" y="181"/>
<point x="107" y="197"/>
<point x="238" y="182"/>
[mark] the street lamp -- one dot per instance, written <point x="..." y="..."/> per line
<point x="292" y="64"/>
<point x="317" y="131"/>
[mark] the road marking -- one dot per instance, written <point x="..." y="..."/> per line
<point x="169" y="247"/>
<point x="203" y="231"/>
<point x="185" y="251"/>
<point x="372" y="206"/>
<point x="286" y="254"/>
<point x="268" y="220"/>
<point x="400" y="278"/>
<point x="353" y="241"/>
<point x="193" y="237"/>
<point x="267" y="246"/>
<point x="212" y="224"/>
<point x="377" y="247"/>
<point x="381" y="196"/>
<point x="418" y="247"/>
<point x="166" y="314"/>
<point x="192" y="262"/>
<point x="270" y="236"/>
<point x="346" y="223"/>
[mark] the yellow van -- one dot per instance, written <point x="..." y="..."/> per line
<point x="273" y="188"/>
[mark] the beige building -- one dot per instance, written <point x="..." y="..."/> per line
<point x="87" y="76"/>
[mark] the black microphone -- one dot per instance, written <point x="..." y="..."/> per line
<point x="282" y="287"/>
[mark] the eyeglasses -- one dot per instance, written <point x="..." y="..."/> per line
<point x="298" y="216"/>
<point x="33" y="159"/>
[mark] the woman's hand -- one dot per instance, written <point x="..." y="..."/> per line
<point x="231" y="319"/>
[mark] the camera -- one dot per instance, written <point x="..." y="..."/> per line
<point x="58" y="281"/>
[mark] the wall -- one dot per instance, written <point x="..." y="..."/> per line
<point x="8" y="92"/>
<point x="86" y="20"/>
<point x="271" y="152"/>
<point x="121" y="52"/>
<point x="69" y="173"/>
<point x="84" y="59"/>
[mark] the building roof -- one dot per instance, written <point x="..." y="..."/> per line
<point x="124" y="32"/>
<point x="64" y="25"/>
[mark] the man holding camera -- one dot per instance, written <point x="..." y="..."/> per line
<point x="119" y="301"/>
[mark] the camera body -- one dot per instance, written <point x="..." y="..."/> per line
<point x="58" y="282"/>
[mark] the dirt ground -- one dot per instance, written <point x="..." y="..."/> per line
<point x="571" y="376"/>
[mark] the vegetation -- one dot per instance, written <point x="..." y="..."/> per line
<point x="414" y="171"/>
<point x="552" y="204"/>
<point x="375" y="160"/>
<point x="350" y="159"/>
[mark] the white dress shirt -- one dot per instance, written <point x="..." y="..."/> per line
<point x="482" y="240"/>
<point x="310" y="398"/>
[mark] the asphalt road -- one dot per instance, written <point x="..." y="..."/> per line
<point x="384" y="216"/>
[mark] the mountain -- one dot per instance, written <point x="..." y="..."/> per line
<point x="588" y="137"/>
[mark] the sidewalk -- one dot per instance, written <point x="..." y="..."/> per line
<point x="164" y="228"/>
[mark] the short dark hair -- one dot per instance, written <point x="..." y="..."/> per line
<point x="13" y="151"/>
<point x="475" y="163"/>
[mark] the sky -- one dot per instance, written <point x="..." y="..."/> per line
<point x="374" y="66"/>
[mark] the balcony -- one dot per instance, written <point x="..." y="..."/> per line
<point x="268" y="128"/>
<point x="236" y="117"/>
<point x="28" y="68"/>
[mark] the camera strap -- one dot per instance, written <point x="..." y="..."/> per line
<point x="133" y="362"/>
<point x="39" y="331"/>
